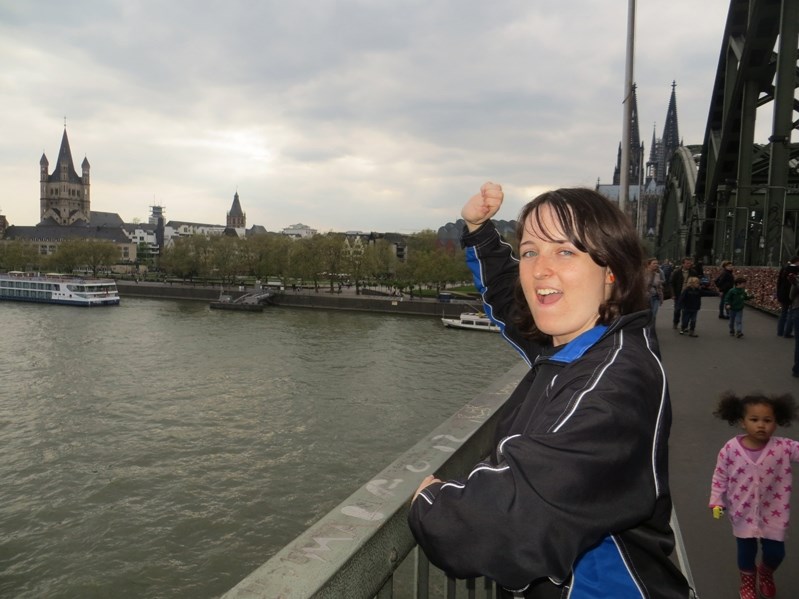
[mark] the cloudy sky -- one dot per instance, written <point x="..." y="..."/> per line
<point x="371" y="115"/>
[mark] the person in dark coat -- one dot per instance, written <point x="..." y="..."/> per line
<point x="677" y="283"/>
<point x="573" y="499"/>
<point x="785" y="322"/>
<point x="724" y="282"/>
<point x="691" y="302"/>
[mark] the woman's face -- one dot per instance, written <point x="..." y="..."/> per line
<point x="563" y="286"/>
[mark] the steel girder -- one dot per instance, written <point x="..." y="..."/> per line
<point x="680" y="215"/>
<point x="745" y="203"/>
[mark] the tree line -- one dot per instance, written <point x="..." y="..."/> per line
<point x="325" y="259"/>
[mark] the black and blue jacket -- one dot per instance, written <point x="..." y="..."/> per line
<point x="574" y="501"/>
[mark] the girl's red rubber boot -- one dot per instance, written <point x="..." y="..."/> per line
<point x="765" y="581"/>
<point x="748" y="585"/>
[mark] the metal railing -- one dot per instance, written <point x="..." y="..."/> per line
<point x="364" y="548"/>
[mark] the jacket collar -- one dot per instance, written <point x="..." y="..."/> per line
<point x="575" y="348"/>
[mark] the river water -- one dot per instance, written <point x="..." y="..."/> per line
<point x="161" y="449"/>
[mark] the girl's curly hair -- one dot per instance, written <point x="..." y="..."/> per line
<point x="732" y="407"/>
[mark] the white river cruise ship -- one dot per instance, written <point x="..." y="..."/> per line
<point x="53" y="288"/>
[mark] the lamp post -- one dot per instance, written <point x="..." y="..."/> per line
<point x="624" y="175"/>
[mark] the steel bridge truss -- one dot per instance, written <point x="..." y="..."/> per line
<point x="732" y="198"/>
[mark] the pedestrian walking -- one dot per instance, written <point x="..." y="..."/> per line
<point x="734" y="302"/>
<point x="677" y="283"/>
<point x="784" y="322"/>
<point x="724" y="282"/>
<point x="667" y="268"/>
<point x="691" y="302"/>
<point x="752" y="485"/>
<point x="794" y="314"/>
<point x="654" y="284"/>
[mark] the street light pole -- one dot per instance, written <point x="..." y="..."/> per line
<point x="624" y="175"/>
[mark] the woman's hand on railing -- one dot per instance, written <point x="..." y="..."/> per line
<point x="428" y="480"/>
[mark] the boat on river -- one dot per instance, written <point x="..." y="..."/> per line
<point x="473" y="321"/>
<point x="55" y="288"/>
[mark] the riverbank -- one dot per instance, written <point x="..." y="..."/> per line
<point x="347" y="299"/>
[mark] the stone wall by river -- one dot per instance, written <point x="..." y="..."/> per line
<point x="346" y="300"/>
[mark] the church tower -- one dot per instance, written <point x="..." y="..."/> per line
<point x="64" y="195"/>
<point x="636" y="149"/>
<point x="663" y="148"/>
<point x="236" y="219"/>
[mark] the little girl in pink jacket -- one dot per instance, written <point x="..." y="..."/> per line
<point x="752" y="483"/>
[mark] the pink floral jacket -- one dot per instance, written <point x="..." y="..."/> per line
<point x="756" y="495"/>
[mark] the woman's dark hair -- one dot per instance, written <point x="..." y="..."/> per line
<point x="594" y="225"/>
<point x="732" y="407"/>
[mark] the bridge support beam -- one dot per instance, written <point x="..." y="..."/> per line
<point x="746" y="197"/>
<point x="774" y="209"/>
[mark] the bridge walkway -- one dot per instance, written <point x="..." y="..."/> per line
<point x="699" y="370"/>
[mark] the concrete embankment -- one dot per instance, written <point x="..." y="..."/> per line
<point x="346" y="300"/>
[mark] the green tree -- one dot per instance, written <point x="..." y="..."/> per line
<point x="271" y="254"/>
<point x="381" y="261"/>
<point x="421" y="264"/>
<point x="354" y="257"/>
<point x="226" y="258"/>
<point x="202" y="254"/>
<point x="433" y="264"/>
<point x="20" y="254"/>
<point x="182" y="258"/>
<point x="99" y="254"/>
<point x="89" y="254"/>
<point x="331" y="247"/>
<point x="145" y="255"/>
<point x="306" y="259"/>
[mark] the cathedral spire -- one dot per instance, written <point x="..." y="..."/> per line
<point x="636" y="148"/>
<point x="236" y="219"/>
<point x="635" y="133"/>
<point x="65" y="167"/>
<point x="671" y="130"/>
<point x="652" y="152"/>
<point x="65" y="197"/>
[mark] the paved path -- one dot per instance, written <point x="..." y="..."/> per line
<point x="699" y="370"/>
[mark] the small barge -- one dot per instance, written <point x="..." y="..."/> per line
<point x="251" y="302"/>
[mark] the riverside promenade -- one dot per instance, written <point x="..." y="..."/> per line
<point x="340" y="299"/>
<point x="699" y="370"/>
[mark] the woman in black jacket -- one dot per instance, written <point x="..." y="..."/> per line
<point x="574" y="499"/>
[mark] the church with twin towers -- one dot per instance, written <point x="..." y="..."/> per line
<point x="647" y="175"/>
